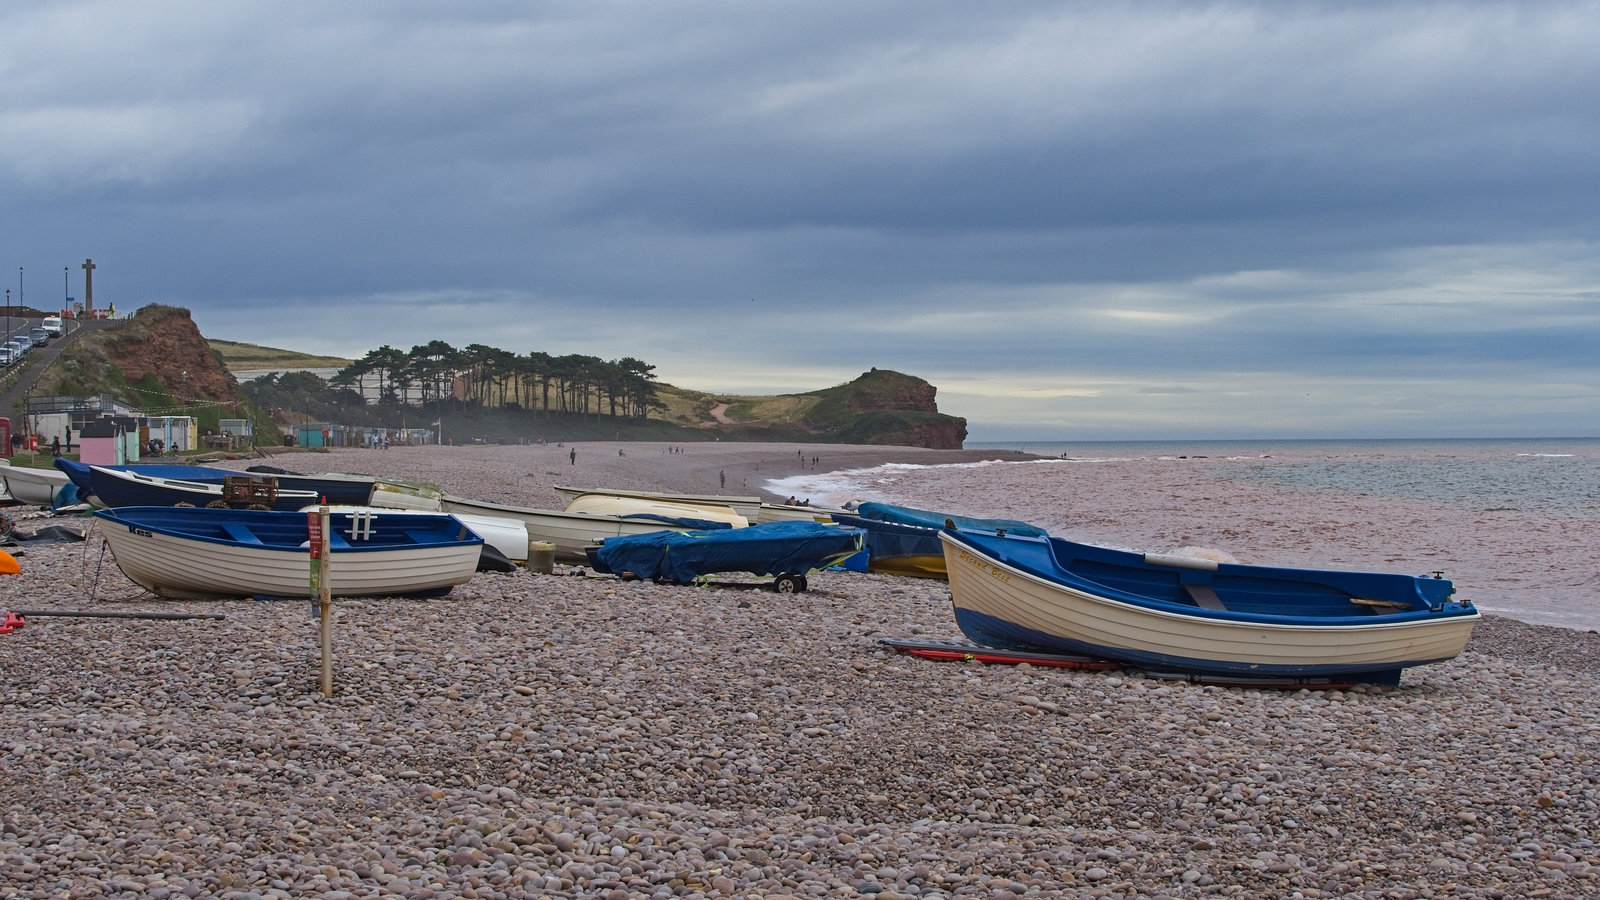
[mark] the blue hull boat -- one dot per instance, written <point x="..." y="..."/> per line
<point x="904" y="540"/>
<point x="1196" y="616"/>
<point x="787" y="550"/>
<point x="927" y="518"/>
<point x="168" y="485"/>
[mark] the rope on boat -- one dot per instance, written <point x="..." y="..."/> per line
<point x="91" y="588"/>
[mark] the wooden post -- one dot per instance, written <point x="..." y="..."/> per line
<point x="317" y="523"/>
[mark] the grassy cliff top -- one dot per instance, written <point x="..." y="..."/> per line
<point x="245" y="357"/>
<point x="879" y="406"/>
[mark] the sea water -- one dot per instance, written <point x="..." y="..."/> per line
<point x="1515" y="523"/>
<point x="1544" y="475"/>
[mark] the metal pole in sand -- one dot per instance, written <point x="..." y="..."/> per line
<point x="317" y="523"/>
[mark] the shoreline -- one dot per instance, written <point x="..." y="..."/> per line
<point x="641" y="465"/>
<point x="550" y="735"/>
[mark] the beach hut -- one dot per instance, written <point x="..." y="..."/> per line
<point x="176" y="433"/>
<point x="312" y="434"/>
<point x="102" y="443"/>
<point x="132" y="446"/>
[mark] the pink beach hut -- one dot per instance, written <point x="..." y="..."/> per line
<point x="101" y="443"/>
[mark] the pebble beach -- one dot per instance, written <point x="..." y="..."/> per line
<point x="569" y="735"/>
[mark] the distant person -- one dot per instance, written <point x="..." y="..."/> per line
<point x="55" y="446"/>
<point x="722" y="479"/>
<point x="69" y="438"/>
<point x="572" y="457"/>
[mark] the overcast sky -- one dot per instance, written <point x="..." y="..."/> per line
<point x="1077" y="220"/>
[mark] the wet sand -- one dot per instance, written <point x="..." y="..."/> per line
<point x="572" y="736"/>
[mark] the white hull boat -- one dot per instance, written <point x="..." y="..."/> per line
<point x="796" y="512"/>
<point x="1175" y="614"/>
<point x="612" y="505"/>
<point x="37" y="487"/>
<point x="200" y="553"/>
<point x="571" y="533"/>
<point x="748" y="507"/>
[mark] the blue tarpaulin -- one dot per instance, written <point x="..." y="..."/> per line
<point x="774" y="548"/>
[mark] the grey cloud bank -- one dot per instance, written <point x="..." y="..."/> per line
<point x="1078" y="220"/>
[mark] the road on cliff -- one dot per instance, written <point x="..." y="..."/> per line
<point x="18" y="380"/>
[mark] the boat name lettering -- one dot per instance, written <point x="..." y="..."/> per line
<point x="994" y="571"/>
<point x="140" y="531"/>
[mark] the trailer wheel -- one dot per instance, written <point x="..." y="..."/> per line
<point x="789" y="584"/>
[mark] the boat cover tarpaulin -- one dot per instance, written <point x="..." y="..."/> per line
<point x="773" y="548"/>
<point x="906" y="515"/>
<point x="890" y="540"/>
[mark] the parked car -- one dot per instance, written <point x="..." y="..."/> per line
<point x="7" y="355"/>
<point x="19" y="347"/>
<point x="53" y="325"/>
<point x="39" y="336"/>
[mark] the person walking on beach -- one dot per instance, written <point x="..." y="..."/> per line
<point x="722" y="479"/>
<point x="573" y="456"/>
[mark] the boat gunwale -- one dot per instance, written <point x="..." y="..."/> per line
<point x="114" y="515"/>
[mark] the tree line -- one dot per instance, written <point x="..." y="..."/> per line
<point x="437" y="375"/>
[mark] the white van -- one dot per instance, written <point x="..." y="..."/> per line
<point x="52" y="324"/>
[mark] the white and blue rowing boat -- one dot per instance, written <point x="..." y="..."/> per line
<point x="200" y="553"/>
<point x="1197" y="616"/>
